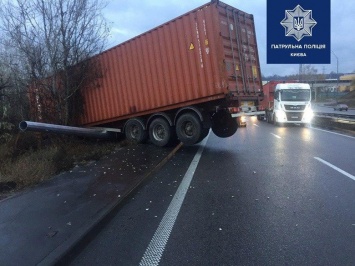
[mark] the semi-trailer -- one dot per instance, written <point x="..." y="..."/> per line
<point x="178" y="80"/>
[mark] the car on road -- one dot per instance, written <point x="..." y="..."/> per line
<point x="341" y="107"/>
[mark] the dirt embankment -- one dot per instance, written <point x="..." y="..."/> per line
<point x="29" y="158"/>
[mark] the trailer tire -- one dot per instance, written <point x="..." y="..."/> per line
<point x="268" y="118"/>
<point x="134" y="130"/>
<point x="204" y="133"/>
<point x="160" y="132"/>
<point x="189" y="129"/>
<point x="223" y="124"/>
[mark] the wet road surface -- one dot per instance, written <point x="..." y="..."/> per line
<point x="40" y="224"/>
<point x="266" y="196"/>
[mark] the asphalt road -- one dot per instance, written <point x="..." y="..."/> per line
<point x="266" y="196"/>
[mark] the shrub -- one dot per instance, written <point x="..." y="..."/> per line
<point x="33" y="167"/>
<point x="28" y="159"/>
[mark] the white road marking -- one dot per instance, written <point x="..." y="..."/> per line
<point x="256" y="125"/>
<point x="157" y="245"/>
<point x="332" y="132"/>
<point x="336" y="168"/>
<point x="275" y="135"/>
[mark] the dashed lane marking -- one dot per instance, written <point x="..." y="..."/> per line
<point x="276" y="136"/>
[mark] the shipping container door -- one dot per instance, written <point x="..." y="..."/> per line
<point x="240" y="51"/>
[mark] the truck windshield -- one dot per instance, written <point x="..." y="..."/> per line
<point x="295" y="95"/>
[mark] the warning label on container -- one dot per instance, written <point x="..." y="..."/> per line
<point x="255" y="71"/>
<point x="192" y="46"/>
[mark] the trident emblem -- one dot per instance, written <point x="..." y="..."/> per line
<point x="298" y="23"/>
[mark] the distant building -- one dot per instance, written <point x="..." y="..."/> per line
<point x="350" y="78"/>
<point x="347" y="77"/>
<point x="328" y="86"/>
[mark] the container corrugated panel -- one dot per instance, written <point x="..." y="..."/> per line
<point x="201" y="56"/>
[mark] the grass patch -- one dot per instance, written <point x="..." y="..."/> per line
<point x="29" y="158"/>
<point x="31" y="167"/>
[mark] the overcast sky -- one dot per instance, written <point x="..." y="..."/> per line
<point x="131" y="18"/>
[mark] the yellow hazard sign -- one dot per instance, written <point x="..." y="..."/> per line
<point x="192" y="46"/>
<point x="255" y="73"/>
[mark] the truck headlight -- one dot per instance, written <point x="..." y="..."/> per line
<point x="308" y="115"/>
<point x="280" y="116"/>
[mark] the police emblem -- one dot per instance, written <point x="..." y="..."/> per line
<point x="298" y="23"/>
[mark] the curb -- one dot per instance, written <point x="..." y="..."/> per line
<point x="62" y="254"/>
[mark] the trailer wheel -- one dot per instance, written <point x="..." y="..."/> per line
<point x="134" y="130"/>
<point x="160" y="132"/>
<point x="268" y="117"/>
<point x="223" y="124"/>
<point x="204" y="134"/>
<point x="189" y="129"/>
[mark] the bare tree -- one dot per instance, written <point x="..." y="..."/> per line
<point x="308" y="73"/>
<point x="4" y="84"/>
<point x="13" y="101"/>
<point x="54" y="43"/>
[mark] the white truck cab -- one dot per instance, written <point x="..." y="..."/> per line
<point x="292" y="104"/>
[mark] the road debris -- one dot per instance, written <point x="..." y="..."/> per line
<point x="52" y="233"/>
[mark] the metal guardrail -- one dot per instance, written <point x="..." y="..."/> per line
<point x="334" y="120"/>
<point x="335" y="115"/>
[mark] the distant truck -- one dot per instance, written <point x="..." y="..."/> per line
<point x="288" y="103"/>
<point x="180" y="79"/>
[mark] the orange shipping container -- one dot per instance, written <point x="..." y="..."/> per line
<point x="208" y="54"/>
